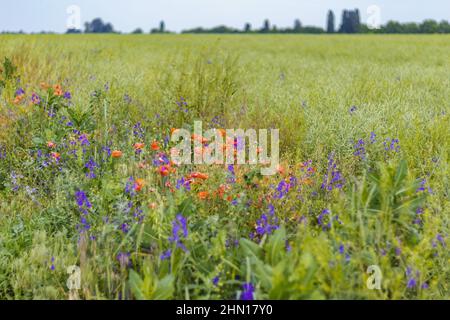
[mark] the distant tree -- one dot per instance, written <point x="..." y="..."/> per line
<point x="247" y="27"/>
<point x="444" y="27"/>
<point x="218" y="29"/>
<point x="297" y="25"/>
<point x="97" y="26"/>
<point x="137" y="31"/>
<point x="73" y="30"/>
<point x="266" y="26"/>
<point x="351" y="21"/>
<point x="330" y="22"/>
<point x="311" y="29"/>
<point x="162" y="27"/>
<point x="411" y="27"/>
<point x="393" y="27"/>
<point x="429" y="26"/>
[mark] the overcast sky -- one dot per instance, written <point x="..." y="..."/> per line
<point x="38" y="15"/>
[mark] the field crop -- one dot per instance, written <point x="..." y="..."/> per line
<point x="87" y="182"/>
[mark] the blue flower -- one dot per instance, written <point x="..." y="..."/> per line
<point x="124" y="259"/>
<point x="360" y="150"/>
<point x="333" y="178"/>
<point x="248" y="291"/>
<point x="392" y="145"/>
<point x="373" y="137"/>
<point x="267" y="223"/>
<point x="179" y="231"/>
<point x="91" y="165"/>
<point x="166" y="255"/>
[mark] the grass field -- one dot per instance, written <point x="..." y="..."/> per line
<point x="364" y="175"/>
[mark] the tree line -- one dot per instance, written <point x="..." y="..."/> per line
<point x="350" y="23"/>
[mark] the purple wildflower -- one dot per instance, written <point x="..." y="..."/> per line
<point x="183" y="183"/>
<point x="35" y="99"/>
<point x="20" y="92"/>
<point x="267" y="223"/>
<point x="373" y="137"/>
<point x="124" y="259"/>
<point x="333" y="178"/>
<point x="166" y="255"/>
<point x="138" y="131"/>
<point x="84" y="140"/>
<point x="182" y="104"/>
<point x="360" y="150"/>
<point x="392" y="145"/>
<point x="91" y="165"/>
<point x="248" y="291"/>
<point x="179" y="231"/>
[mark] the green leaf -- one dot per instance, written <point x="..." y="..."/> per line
<point x="276" y="246"/>
<point x="136" y="285"/>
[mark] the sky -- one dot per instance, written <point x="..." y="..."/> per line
<point x="52" y="15"/>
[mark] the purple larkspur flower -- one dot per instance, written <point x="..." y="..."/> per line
<point x="215" y="281"/>
<point x="67" y="95"/>
<point x="83" y="205"/>
<point x="127" y="98"/>
<point x="247" y="291"/>
<point x="231" y="174"/>
<point x="352" y="109"/>
<point x="182" y="104"/>
<point x="20" y="92"/>
<point x="125" y="227"/>
<point x="138" y="131"/>
<point x="35" y="99"/>
<point x="82" y="199"/>
<point x="267" y="223"/>
<point x="360" y="150"/>
<point x="91" y="165"/>
<point x="124" y="259"/>
<point x="179" y="231"/>
<point x="183" y="183"/>
<point x="333" y="178"/>
<point x="84" y="140"/>
<point x="166" y="255"/>
<point x="411" y="278"/>
<point x="373" y="137"/>
<point x="391" y="145"/>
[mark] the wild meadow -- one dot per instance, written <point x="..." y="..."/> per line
<point x="87" y="181"/>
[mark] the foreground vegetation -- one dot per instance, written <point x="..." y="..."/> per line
<point x="86" y="180"/>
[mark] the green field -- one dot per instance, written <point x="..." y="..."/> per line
<point x="364" y="144"/>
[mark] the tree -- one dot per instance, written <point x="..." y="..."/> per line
<point x="73" y="30"/>
<point x="137" y="31"/>
<point x="330" y="22"/>
<point x="162" y="27"/>
<point x="97" y="26"/>
<point x="411" y="27"/>
<point x="297" y="25"/>
<point x="393" y="27"/>
<point x="266" y="26"/>
<point x="247" y="27"/>
<point x="429" y="26"/>
<point x="444" y="27"/>
<point x="351" y="21"/>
